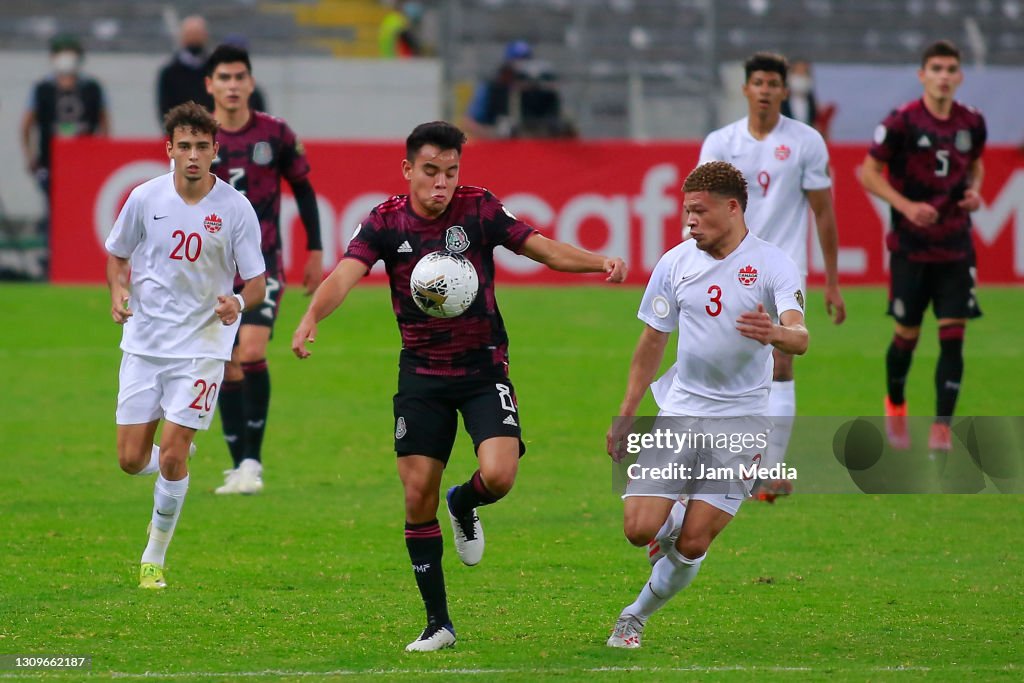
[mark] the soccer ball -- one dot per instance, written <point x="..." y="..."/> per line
<point x="444" y="284"/>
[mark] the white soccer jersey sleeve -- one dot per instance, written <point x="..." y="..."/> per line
<point x="659" y="307"/>
<point x="183" y="256"/>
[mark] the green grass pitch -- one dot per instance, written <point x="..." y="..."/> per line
<point x="311" y="580"/>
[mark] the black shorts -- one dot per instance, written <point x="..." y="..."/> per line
<point x="949" y="286"/>
<point x="427" y="407"/>
<point x="265" y="314"/>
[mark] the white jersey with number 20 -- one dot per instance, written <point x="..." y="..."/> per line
<point x="182" y="257"/>
<point x="718" y="372"/>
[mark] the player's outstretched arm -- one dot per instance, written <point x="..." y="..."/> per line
<point x="118" y="272"/>
<point x="789" y="335"/>
<point x="569" y="259"/>
<point x="872" y="177"/>
<point x="230" y="306"/>
<point x="828" y="236"/>
<point x="646" y="360"/>
<point x="327" y="297"/>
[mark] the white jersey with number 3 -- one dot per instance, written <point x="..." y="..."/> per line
<point x="718" y="371"/>
<point x="182" y="257"/>
<point x="779" y="169"/>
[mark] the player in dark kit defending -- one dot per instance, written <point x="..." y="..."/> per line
<point x="447" y="365"/>
<point x="932" y="148"/>
<point x="256" y="152"/>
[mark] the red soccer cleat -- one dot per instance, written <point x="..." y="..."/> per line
<point x="940" y="438"/>
<point x="896" y="425"/>
<point x="770" y="490"/>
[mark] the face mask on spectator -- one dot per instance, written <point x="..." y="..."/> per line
<point x="800" y="84"/>
<point x="65" y="62"/>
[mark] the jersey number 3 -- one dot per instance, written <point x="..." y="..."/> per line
<point x="716" y="299"/>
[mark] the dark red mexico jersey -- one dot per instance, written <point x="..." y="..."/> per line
<point x="254" y="159"/>
<point x="474" y="223"/>
<point x="928" y="161"/>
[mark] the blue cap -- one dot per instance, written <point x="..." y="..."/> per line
<point x="518" y="49"/>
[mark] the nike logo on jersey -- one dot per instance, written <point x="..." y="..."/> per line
<point x="158" y="218"/>
<point x="405" y="248"/>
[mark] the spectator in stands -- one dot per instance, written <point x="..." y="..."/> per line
<point x="183" y="78"/>
<point x="398" y="35"/>
<point x="801" y="103"/>
<point x="64" y="104"/>
<point x="520" y="100"/>
<point x="257" y="101"/>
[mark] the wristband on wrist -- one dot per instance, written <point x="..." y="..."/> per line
<point x="241" y="302"/>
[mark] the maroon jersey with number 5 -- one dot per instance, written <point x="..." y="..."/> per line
<point x="929" y="160"/>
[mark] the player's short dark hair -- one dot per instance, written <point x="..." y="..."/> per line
<point x="192" y="116"/>
<point x="66" y="41"/>
<point x="940" y="48"/>
<point x="440" y="133"/>
<point x="766" y="61"/>
<point x="718" y="177"/>
<point x="227" y="54"/>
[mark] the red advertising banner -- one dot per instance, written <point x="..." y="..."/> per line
<point x="618" y="198"/>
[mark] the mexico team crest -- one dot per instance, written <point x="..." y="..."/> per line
<point x="456" y="240"/>
<point x="213" y="223"/>
<point x="962" y="141"/>
<point x="782" y="152"/>
<point x="262" y="153"/>
<point x="747" y="276"/>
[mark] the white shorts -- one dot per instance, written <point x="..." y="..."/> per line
<point x="726" y="497"/>
<point x="180" y="390"/>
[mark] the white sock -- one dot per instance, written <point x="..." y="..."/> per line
<point x="154" y="463"/>
<point x="154" y="460"/>
<point x="782" y="409"/>
<point x="168" y="497"/>
<point x="674" y="521"/>
<point x="670" y="575"/>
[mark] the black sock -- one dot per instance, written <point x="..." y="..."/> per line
<point x="257" y="405"/>
<point x="425" y="549"/>
<point x="232" y="419"/>
<point x="472" y="494"/>
<point x="949" y="370"/>
<point x="897" y="365"/>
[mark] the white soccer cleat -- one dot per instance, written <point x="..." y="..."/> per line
<point x="468" y="533"/>
<point x="628" y="632"/>
<point x="677" y="514"/>
<point x="247" y="479"/>
<point x="433" y="638"/>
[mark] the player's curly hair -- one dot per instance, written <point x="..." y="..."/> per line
<point x="766" y="61"/>
<point x="718" y="177"/>
<point x="190" y="116"/>
<point x="440" y="133"/>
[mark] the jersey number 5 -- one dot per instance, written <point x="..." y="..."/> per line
<point x="716" y="298"/>
<point x="941" y="163"/>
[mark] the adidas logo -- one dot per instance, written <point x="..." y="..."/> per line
<point x="510" y="420"/>
<point x="405" y="248"/>
<point x="923" y="141"/>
